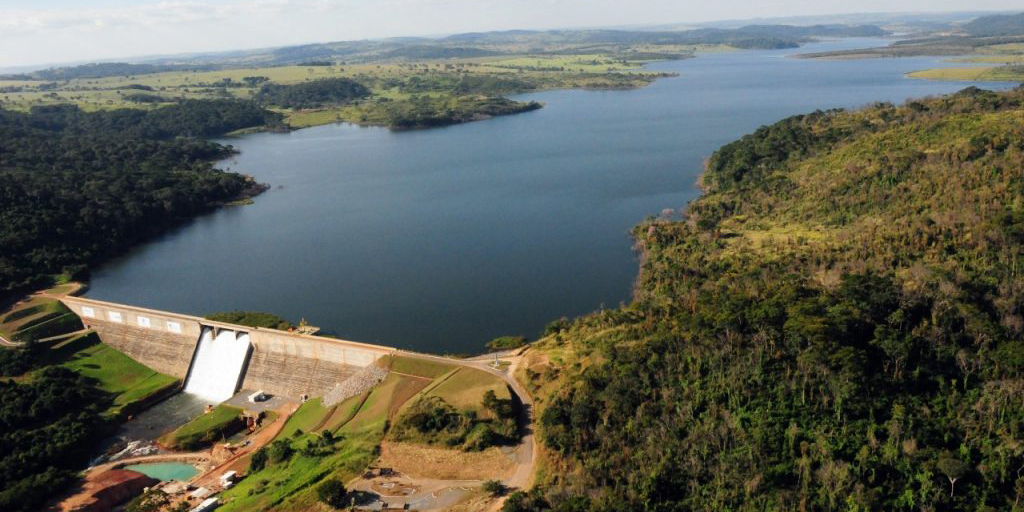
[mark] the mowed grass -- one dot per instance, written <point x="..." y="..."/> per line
<point x="466" y="387"/>
<point x="114" y="372"/>
<point x="207" y="427"/>
<point x="345" y="411"/>
<point x="419" y="367"/>
<point x="375" y="410"/>
<point x="308" y="417"/>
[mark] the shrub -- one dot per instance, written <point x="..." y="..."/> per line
<point x="506" y="343"/>
<point x="258" y="460"/>
<point x="332" y="492"/>
<point x="280" y="451"/>
<point x="494" y="487"/>
<point x="150" y="501"/>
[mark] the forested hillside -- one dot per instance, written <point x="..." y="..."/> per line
<point x="836" y="325"/>
<point x="312" y="94"/>
<point x="77" y="187"/>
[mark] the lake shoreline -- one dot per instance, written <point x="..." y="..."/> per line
<point x="440" y="240"/>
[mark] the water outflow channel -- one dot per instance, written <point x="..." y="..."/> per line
<point x="217" y="364"/>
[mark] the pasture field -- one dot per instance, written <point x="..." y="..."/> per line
<point x="395" y="86"/>
<point x="995" y="74"/>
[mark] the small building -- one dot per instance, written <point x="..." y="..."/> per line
<point x="228" y="477"/>
<point x="201" y="493"/>
<point x="207" y="505"/>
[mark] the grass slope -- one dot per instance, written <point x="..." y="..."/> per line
<point x="465" y="388"/>
<point x="218" y="424"/>
<point x="307" y="418"/>
<point x="37" y="317"/>
<point x="114" y="372"/>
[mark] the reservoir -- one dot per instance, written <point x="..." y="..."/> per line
<point x="439" y="240"/>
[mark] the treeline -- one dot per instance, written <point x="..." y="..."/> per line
<point x="77" y="187"/>
<point x="105" y="69"/>
<point x="252" y="319"/>
<point x="425" y="52"/>
<point x="751" y="36"/>
<point x="312" y="94"/>
<point x="429" y="112"/>
<point x="997" y="25"/>
<point x="836" y="325"/>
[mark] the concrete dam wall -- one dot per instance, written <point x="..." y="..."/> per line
<point x="278" y="362"/>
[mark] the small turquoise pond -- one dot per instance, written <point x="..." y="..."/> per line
<point x="166" y="470"/>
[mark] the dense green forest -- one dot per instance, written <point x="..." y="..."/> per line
<point x="313" y="94"/>
<point x="836" y="325"/>
<point x="427" y="111"/>
<point x="252" y="319"/>
<point x="997" y="25"/>
<point x="77" y="187"/>
<point x="47" y="427"/>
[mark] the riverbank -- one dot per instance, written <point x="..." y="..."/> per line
<point x="1007" y="73"/>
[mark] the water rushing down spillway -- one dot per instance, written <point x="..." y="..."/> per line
<point x="217" y="364"/>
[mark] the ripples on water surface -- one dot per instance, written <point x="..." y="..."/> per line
<point x="440" y="240"/>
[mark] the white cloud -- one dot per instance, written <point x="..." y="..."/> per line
<point x="124" y="28"/>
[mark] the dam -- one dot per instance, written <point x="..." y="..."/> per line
<point x="216" y="359"/>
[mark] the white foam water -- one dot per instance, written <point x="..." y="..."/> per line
<point x="217" y="364"/>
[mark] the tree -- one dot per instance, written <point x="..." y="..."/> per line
<point x="258" y="461"/>
<point x="280" y="451"/>
<point x="332" y="492"/>
<point x="954" y="469"/>
<point x="494" y="487"/>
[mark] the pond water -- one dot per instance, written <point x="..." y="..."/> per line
<point x="439" y="240"/>
<point x="165" y="471"/>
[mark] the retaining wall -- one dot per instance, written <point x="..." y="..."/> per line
<point x="281" y="363"/>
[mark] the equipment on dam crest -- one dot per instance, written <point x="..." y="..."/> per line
<point x="214" y="357"/>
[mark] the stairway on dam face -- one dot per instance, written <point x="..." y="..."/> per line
<point x="217" y="365"/>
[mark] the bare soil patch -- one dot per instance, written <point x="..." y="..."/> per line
<point x="418" y="461"/>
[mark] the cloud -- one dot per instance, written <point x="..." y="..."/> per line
<point x="126" y="28"/>
<point x="33" y="21"/>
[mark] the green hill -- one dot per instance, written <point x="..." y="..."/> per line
<point x="835" y="325"/>
<point x="997" y="25"/>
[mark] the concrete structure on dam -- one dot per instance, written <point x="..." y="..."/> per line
<point x="278" y="362"/>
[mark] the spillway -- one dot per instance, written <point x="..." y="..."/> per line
<point x="217" y="364"/>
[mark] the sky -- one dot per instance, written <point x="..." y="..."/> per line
<point x="36" y="32"/>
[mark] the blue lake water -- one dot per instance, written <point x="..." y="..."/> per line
<point x="439" y="240"/>
<point x="165" y="471"/>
